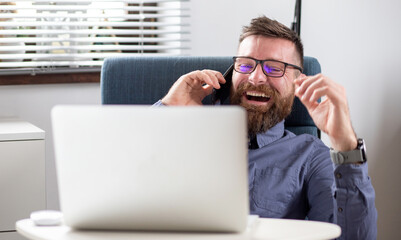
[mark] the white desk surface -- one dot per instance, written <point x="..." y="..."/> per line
<point x="263" y="228"/>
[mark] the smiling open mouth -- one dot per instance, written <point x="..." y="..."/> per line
<point x="259" y="97"/>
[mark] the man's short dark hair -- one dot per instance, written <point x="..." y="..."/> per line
<point x="266" y="27"/>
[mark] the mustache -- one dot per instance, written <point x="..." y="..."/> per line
<point x="267" y="90"/>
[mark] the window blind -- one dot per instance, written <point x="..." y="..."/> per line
<point x="76" y="35"/>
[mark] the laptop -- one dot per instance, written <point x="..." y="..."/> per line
<point x="130" y="167"/>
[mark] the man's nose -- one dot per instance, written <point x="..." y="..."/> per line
<point x="258" y="77"/>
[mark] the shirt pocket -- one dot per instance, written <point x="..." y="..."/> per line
<point x="273" y="190"/>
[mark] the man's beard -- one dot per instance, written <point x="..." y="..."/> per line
<point x="262" y="118"/>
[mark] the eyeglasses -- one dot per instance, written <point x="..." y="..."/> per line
<point x="271" y="68"/>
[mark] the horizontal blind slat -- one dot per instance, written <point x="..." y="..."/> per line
<point x="92" y="31"/>
<point x="89" y="16"/>
<point x="111" y="1"/>
<point x="89" y="24"/>
<point x="66" y="63"/>
<point x="85" y="8"/>
<point x="92" y="39"/>
<point x="81" y="48"/>
<point x="55" y="56"/>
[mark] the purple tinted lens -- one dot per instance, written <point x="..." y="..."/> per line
<point x="245" y="68"/>
<point x="268" y="69"/>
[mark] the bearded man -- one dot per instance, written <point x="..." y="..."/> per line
<point x="291" y="176"/>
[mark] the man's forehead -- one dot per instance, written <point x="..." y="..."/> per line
<point x="262" y="47"/>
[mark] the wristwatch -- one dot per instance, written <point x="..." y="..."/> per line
<point x="358" y="155"/>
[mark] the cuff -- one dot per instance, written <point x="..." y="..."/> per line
<point x="351" y="174"/>
<point x="158" y="104"/>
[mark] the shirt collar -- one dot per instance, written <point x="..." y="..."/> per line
<point x="271" y="135"/>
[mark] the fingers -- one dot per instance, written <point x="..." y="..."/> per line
<point x="310" y="89"/>
<point x="208" y="89"/>
<point x="209" y="77"/>
<point x="192" y="88"/>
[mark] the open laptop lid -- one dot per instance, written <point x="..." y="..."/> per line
<point x="165" y="168"/>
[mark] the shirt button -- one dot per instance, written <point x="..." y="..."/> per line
<point x="340" y="210"/>
<point x="338" y="175"/>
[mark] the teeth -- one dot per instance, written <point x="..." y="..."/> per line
<point x="254" y="94"/>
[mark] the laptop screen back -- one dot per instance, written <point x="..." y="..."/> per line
<point x="143" y="168"/>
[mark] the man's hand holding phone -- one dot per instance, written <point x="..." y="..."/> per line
<point x="192" y="88"/>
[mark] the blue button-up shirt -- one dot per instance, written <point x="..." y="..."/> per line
<point x="292" y="177"/>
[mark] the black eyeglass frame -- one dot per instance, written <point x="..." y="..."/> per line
<point x="261" y="62"/>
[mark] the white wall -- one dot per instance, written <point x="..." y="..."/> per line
<point x="216" y="25"/>
<point x="33" y="103"/>
<point x="357" y="43"/>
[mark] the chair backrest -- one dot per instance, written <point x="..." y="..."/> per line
<point x="146" y="79"/>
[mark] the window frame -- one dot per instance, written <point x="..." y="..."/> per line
<point x="50" y="78"/>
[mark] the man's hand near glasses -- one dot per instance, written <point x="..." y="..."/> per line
<point x="331" y="115"/>
<point x="192" y="88"/>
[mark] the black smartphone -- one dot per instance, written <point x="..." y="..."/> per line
<point x="222" y="95"/>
